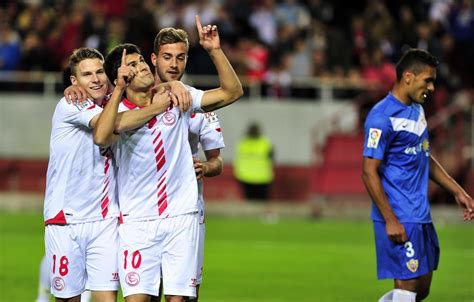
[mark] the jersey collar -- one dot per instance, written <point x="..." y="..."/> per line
<point x="130" y="105"/>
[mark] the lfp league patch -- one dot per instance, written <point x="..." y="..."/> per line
<point x="374" y="138"/>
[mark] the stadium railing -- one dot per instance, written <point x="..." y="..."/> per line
<point x="321" y="89"/>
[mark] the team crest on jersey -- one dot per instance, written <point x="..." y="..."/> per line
<point x="412" y="265"/>
<point x="211" y="117"/>
<point x="58" y="283"/>
<point x="132" y="279"/>
<point x="374" y="138"/>
<point x="169" y="118"/>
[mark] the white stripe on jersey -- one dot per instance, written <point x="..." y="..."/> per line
<point x="415" y="127"/>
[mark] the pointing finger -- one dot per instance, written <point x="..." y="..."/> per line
<point x="124" y="55"/>
<point x="198" y="25"/>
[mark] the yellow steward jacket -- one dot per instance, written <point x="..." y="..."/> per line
<point x="253" y="162"/>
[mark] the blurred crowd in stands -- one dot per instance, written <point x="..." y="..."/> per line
<point x="269" y="41"/>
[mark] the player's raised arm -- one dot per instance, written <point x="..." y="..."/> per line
<point x="230" y="87"/>
<point x="439" y="175"/>
<point x="104" y="129"/>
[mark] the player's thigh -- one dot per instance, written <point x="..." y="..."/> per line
<point x="139" y="258"/>
<point x="180" y="255"/>
<point x="102" y="256"/>
<point x="65" y="260"/>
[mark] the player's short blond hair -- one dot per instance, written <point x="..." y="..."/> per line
<point x="81" y="54"/>
<point x="170" y="35"/>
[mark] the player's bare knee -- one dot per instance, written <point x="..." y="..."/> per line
<point x="170" y="298"/>
<point x="72" y="299"/>
<point x="104" y="296"/>
<point x="422" y="294"/>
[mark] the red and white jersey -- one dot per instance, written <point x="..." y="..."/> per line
<point x="156" y="177"/>
<point x="205" y="130"/>
<point x="80" y="183"/>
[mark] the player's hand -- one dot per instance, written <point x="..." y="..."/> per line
<point x="161" y="98"/>
<point x="465" y="201"/>
<point x="208" y="35"/>
<point x="125" y="73"/>
<point x="198" y="168"/>
<point x="396" y="232"/>
<point x="180" y="95"/>
<point x="75" y="95"/>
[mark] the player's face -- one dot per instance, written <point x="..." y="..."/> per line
<point x="144" y="77"/>
<point x="422" y="85"/>
<point x="170" y="61"/>
<point x="90" y="75"/>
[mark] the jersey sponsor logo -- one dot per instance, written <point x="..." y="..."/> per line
<point x="374" y="138"/>
<point x="169" y="118"/>
<point x="426" y="146"/>
<point x="412" y="265"/>
<point x="58" y="283"/>
<point x="421" y="147"/>
<point x="193" y="282"/>
<point x="132" y="279"/>
<point x="211" y="117"/>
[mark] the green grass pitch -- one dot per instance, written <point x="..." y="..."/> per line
<point x="249" y="260"/>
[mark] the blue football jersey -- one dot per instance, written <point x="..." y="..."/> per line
<point x="397" y="135"/>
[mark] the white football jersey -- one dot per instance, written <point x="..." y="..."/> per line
<point x="80" y="183"/>
<point x="156" y="176"/>
<point x="205" y="130"/>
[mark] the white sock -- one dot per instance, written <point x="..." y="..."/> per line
<point x="400" y="295"/>
<point x="44" y="286"/>
<point x="388" y="297"/>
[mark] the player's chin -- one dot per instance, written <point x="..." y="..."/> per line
<point x="98" y="94"/>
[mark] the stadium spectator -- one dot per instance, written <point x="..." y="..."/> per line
<point x="397" y="166"/>
<point x="10" y="51"/>
<point x="253" y="164"/>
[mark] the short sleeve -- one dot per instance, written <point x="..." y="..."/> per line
<point x="78" y="114"/>
<point x="378" y="135"/>
<point x="196" y="95"/>
<point x="211" y="132"/>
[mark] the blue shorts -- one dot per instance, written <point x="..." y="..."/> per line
<point x="414" y="258"/>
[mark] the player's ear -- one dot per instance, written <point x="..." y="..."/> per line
<point x="73" y="80"/>
<point x="408" y="77"/>
<point x="153" y="59"/>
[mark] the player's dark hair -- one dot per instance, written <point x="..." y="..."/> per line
<point x="170" y="35"/>
<point x="415" y="60"/>
<point x="114" y="59"/>
<point x="81" y="54"/>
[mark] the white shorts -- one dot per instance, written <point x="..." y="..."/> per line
<point x="82" y="255"/>
<point x="162" y="248"/>
<point x="202" y="235"/>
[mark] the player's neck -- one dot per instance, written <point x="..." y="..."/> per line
<point x="139" y="98"/>
<point x="399" y="93"/>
